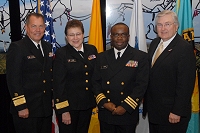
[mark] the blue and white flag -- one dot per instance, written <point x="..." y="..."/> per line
<point x="137" y="32"/>
<point x="184" y="13"/>
<point x="183" y="10"/>
<point x="43" y="7"/>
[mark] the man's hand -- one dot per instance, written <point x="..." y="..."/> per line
<point x="23" y="113"/>
<point x="174" y="118"/>
<point x="119" y="111"/>
<point x="66" y="118"/>
<point x="109" y="106"/>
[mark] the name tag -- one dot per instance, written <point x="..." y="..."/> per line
<point x="104" y="67"/>
<point x="71" y="60"/>
<point x="30" y="57"/>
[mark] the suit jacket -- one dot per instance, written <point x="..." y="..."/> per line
<point x="72" y="78"/>
<point x="171" y="81"/>
<point x="29" y="77"/>
<point x="122" y="82"/>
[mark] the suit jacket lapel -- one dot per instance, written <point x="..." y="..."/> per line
<point x="75" y="54"/>
<point x="33" y="49"/>
<point x="86" y="54"/>
<point x="46" y="52"/>
<point x="110" y="57"/>
<point x="152" y="51"/>
<point x="164" y="54"/>
<point x="117" y="65"/>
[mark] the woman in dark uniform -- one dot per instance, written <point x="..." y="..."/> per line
<point x="73" y="69"/>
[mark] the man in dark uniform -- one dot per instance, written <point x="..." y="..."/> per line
<point x="120" y="80"/>
<point x="29" y="78"/>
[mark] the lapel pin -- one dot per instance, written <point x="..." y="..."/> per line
<point x="170" y="50"/>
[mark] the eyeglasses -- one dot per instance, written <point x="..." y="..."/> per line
<point x="166" y="25"/>
<point x="73" y="35"/>
<point x="118" y="35"/>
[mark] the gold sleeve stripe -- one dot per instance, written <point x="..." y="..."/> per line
<point x="100" y="97"/>
<point x="130" y="104"/>
<point x="62" y="105"/>
<point x="18" y="97"/>
<point x="19" y="101"/>
<point x="132" y="100"/>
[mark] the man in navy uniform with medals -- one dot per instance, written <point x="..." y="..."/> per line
<point x="29" y="78"/>
<point x="120" y="80"/>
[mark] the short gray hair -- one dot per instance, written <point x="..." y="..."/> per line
<point x="167" y="12"/>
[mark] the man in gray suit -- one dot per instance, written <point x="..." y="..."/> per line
<point x="29" y="78"/>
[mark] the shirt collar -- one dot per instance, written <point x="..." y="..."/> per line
<point x="122" y="51"/>
<point x="82" y="49"/>
<point x="166" y="43"/>
<point x="36" y="42"/>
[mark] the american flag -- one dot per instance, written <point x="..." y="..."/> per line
<point x="43" y="7"/>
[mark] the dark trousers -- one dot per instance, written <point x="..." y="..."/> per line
<point x="180" y="127"/>
<point x="80" y="121"/>
<point x="32" y="124"/>
<point x="109" y="128"/>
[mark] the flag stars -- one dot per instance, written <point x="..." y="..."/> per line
<point x="53" y="36"/>
<point x="46" y="33"/>
<point x="54" y="44"/>
<point x="46" y="40"/>
<point x="42" y="3"/>
<point x="47" y="23"/>
<point x="45" y="9"/>
<point x="48" y="15"/>
<point x="48" y="6"/>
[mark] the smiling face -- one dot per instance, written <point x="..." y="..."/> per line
<point x="166" y="27"/>
<point x="75" y="37"/>
<point x="119" y="36"/>
<point x="35" y="28"/>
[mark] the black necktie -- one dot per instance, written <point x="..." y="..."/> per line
<point x="81" y="53"/>
<point x="39" y="49"/>
<point x="118" y="55"/>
